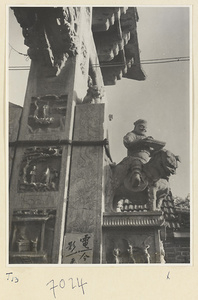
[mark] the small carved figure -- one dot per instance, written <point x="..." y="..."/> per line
<point x="46" y="111"/>
<point x="33" y="245"/>
<point x="47" y="176"/>
<point x="162" y="253"/>
<point x="36" y="112"/>
<point x="25" y="171"/>
<point x="126" y="253"/>
<point x="33" y="175"/>
<point x="22" y="241"/>
<point x="116" y="254"/>
<point x="119" y="207"/>
<point x="94" y="95"/>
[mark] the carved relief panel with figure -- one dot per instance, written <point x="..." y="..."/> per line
<point x="40" y="169"/>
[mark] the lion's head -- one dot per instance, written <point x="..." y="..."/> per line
<point x="165" y="162"/>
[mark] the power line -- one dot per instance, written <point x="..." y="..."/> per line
<point x="167" y="58"/>
<point x="164" y="62"/>
<point x="142" y="62"/>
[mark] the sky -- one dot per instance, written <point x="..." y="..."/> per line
<point x="163" y="99"/>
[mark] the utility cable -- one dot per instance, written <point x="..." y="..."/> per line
<point x="142" y="62"/>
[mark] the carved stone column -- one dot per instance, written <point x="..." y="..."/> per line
<point x="58" y="40"/>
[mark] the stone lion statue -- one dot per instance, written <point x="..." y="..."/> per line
<point x="154" y="176"/>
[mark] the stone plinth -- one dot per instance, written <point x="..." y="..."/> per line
<point x="132" y="238"/>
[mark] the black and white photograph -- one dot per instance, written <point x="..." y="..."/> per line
<point x="100" y="135"/>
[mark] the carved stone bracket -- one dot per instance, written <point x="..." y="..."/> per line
<point x="50" y="34"/>
<point x="40" y="169"/>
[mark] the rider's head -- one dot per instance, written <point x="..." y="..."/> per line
<point x="140" y="126"/>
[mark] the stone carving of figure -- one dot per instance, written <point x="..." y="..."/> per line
<point x="36" y="112"/>
<point x="47" y="176"/>
<point x="22" y="241"/>
<point x="45" y="111"/>
<point x="25" y="173"/>
<point x="33" y="175"/>
<point x="138" y="147"/>
<point x="50" y="176"/>
<point x="94" y="93"/>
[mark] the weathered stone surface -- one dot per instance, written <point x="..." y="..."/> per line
<point x="89" y="122"/>
<point x="84" y="211"/>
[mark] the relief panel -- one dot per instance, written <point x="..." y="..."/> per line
<point x="47" y="114"/>
<point x="40" y="169"/>
<point x="32" y="236"/>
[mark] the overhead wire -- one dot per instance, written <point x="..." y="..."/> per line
<point x="106" y="65"/>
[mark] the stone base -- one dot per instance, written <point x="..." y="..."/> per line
<point x="132" y="238"/>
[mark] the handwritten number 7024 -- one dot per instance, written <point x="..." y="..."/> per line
<point x="62" y="285"/>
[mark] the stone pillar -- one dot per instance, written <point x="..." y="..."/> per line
<point x="40" y="177"/>
<point x="84" y="211"/>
